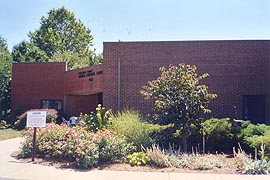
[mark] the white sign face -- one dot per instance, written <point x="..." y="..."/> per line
<point x="36" y="119"/>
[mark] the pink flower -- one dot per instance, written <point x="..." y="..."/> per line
<point x="80" y="145"/>
<point x="94" y="138"/>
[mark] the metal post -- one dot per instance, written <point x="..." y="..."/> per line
<point x="34" y="144"/>
<point x="119" y="86"/>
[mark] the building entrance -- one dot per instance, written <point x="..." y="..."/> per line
<point x="254" y="108"/>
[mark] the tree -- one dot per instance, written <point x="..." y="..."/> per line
<point x="28" y="52"/>
<point x="73" y="60"/>
<point x="61" y="32"/>
<point x="97" y="58"/>
<point x="5" y="77"/>
<point x="179" y="99"/>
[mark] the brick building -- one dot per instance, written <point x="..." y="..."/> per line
<point x="239" y="74"/>
<point x="49" y="85"/>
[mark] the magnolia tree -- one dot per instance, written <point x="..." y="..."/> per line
<point x="179" y="98"/>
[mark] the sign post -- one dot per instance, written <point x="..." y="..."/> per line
<point x="35" y="119"/>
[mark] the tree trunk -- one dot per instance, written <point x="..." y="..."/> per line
<point x="203" y="141"/>
<point x="185" y="144"/>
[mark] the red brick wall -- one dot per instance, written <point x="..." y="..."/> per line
<point x="236" y="68"/>
<point x="32" y="82"/>
<point x="84" y="81"/>
<point x="81" y="89"/>
<point x="76" y="104"/>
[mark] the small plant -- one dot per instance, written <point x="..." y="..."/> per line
<point x="257" y="167"/>
<point x="138" y="159"/>
<point x="158" y="157"/>
<point x="241" y="158"/>
<point x="248" y="166"/>
<point x="196" y="162"/>
<point x="3" y="124"/>
<point x="95" y="121"/>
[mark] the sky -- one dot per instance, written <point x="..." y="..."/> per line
<point x="144" y="20"/>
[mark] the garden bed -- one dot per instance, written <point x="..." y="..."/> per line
<point x="118" y="166"/>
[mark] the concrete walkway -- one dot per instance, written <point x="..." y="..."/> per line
<point x="11" y="168"/>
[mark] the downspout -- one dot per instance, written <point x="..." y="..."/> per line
<point x="119" y="86"/>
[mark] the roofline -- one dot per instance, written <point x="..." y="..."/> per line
<point x="39" y="63"/>
<point x="92" y="66"/>
<point x="206" y="40"/>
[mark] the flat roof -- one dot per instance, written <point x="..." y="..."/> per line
<point x="175" y="41"/>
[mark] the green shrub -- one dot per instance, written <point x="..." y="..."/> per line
<point x="129" y="124"/>
<point x="138" y="159"/>
<point x="251" y="130"/>
<point x="112" y="147"/>
<point x="51" y="115"/>
<point x="221" y="134"/>
<point x="95" y="121"/>
<point x="255" y="135"/>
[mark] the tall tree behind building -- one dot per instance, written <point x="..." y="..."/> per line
<point x="60" y="34"/>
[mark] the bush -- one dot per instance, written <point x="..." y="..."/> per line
<point x="253" y="136"/>
<point x="77" y="144"/>
<point x="60" y="141"/>
<point x="138" y="159"/>
<point x="87" y="154"/>
<point x="20" y="124"/>
<point x="129" y="124"/>
<point x="112" y="147"/>
<point x="226" y="133"/>
<point x="221" y="134"/>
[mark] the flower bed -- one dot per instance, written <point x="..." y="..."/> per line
<point x="87" y="149"/>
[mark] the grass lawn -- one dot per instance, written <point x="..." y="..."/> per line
<point x="9" y="133"/>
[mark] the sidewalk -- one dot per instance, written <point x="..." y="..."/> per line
<point x="11" y="168"/>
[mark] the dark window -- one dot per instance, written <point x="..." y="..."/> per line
<point x="82" y="74"/>
<point x="99" y="72"/>
<point x="254" y="108"/>
<point x="90" y="74"/>
<point x="100" y="98"/>
<point x="52" y="104"/>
